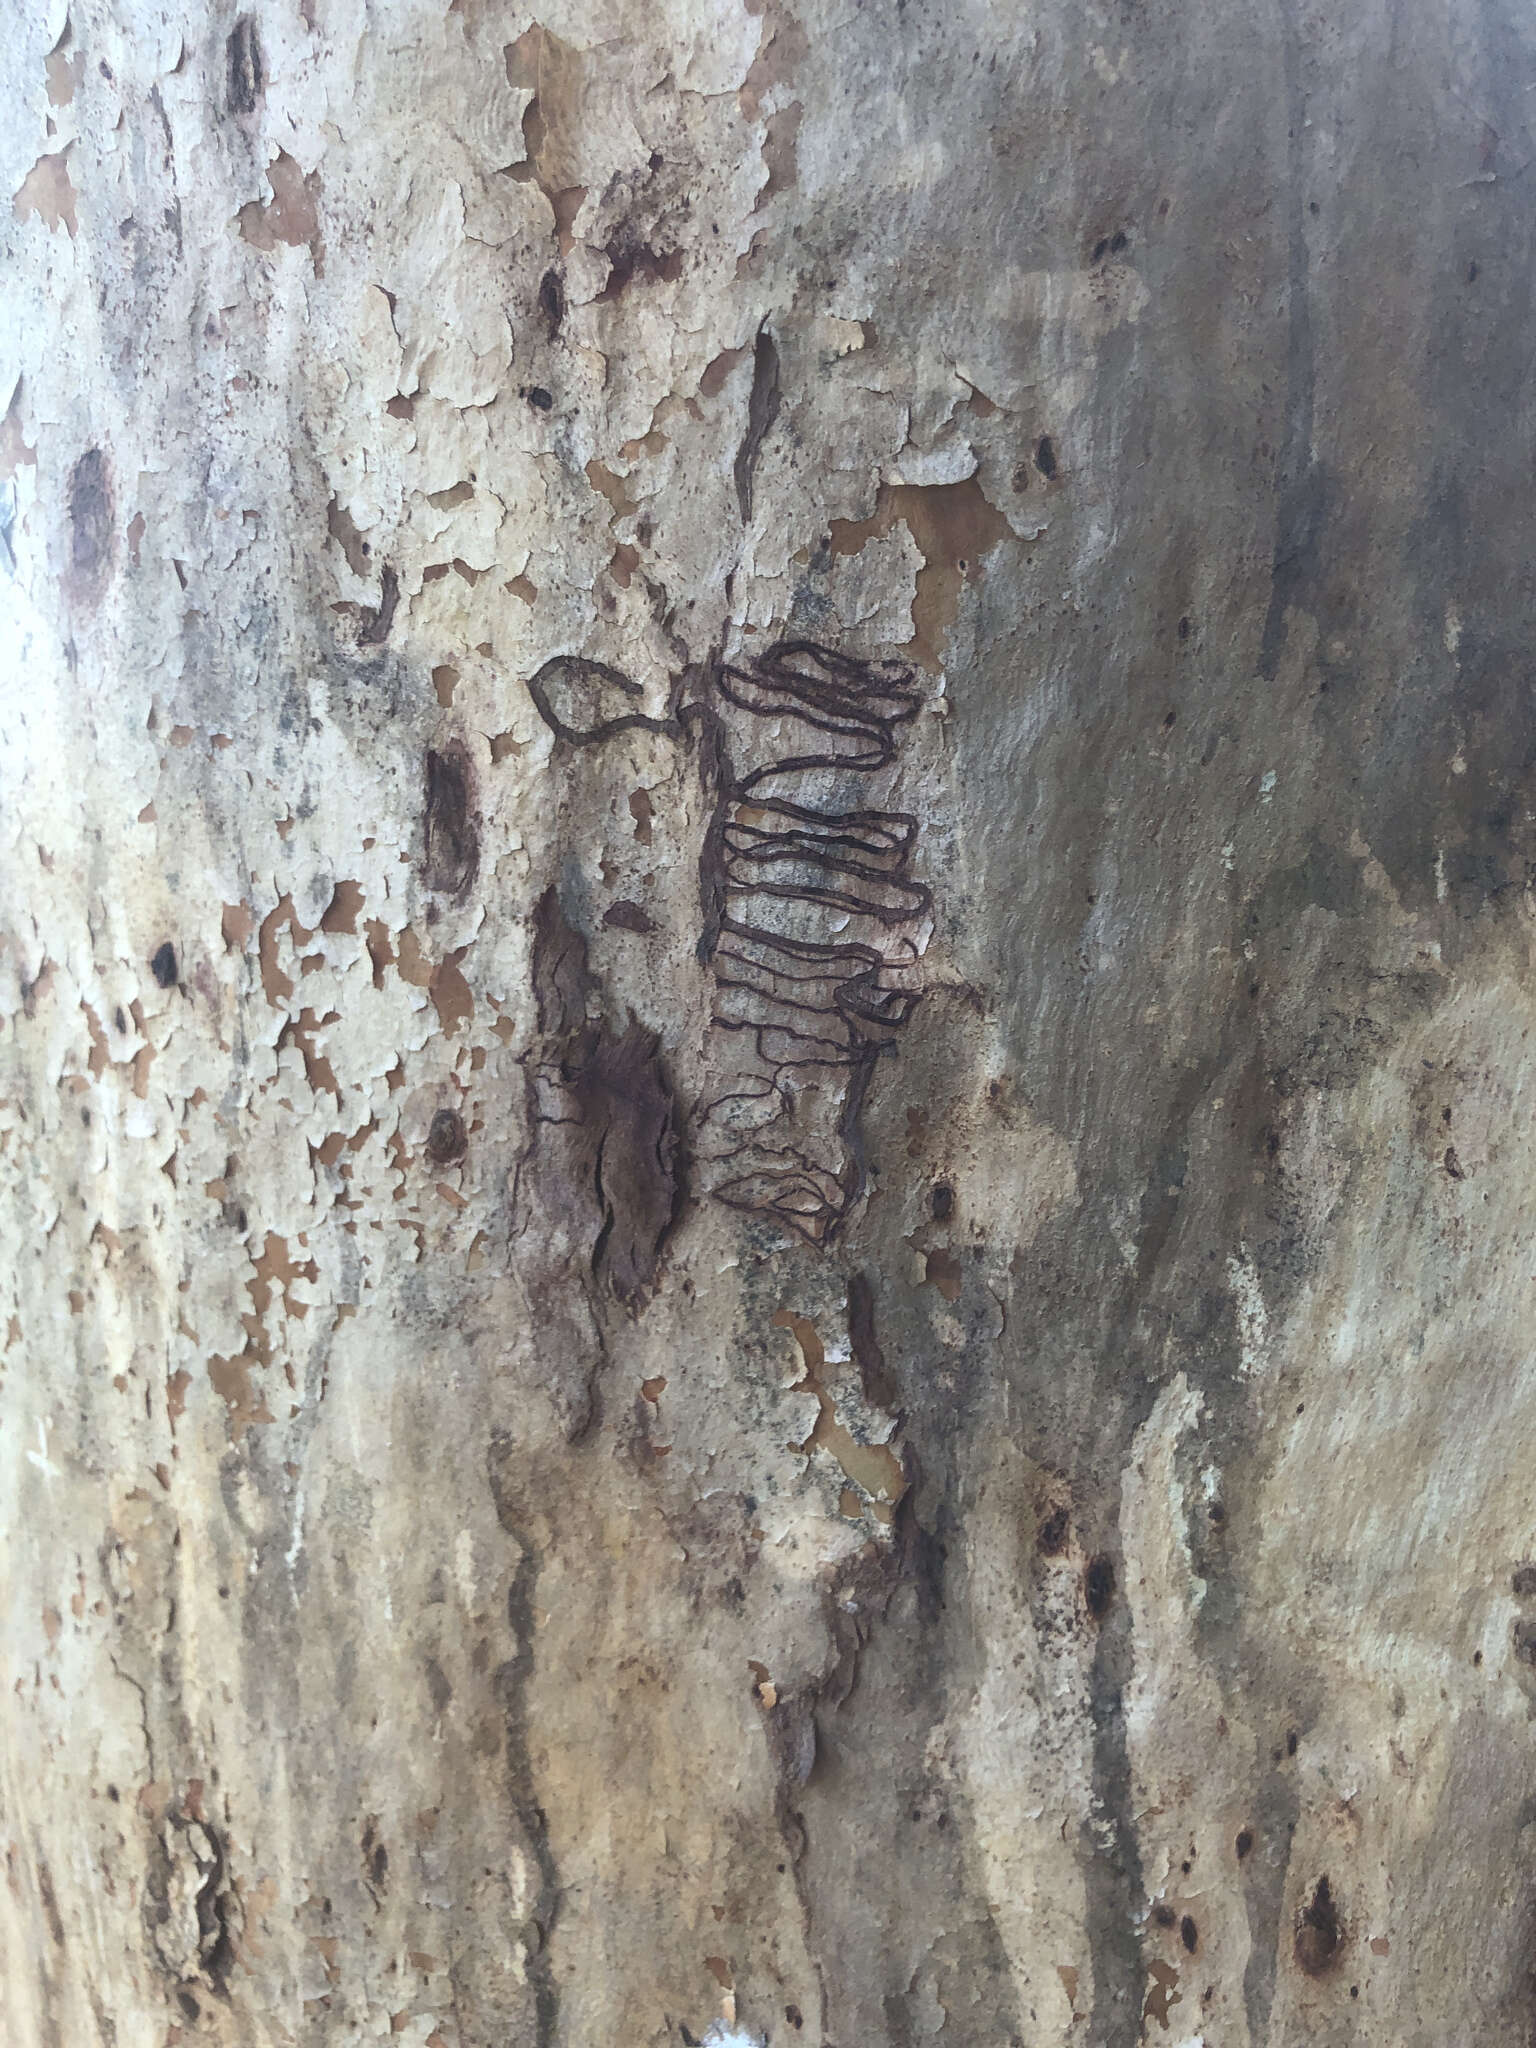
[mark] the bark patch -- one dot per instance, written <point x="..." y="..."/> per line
<point x="954" y="527"/>
<point x="618" y="1189"/>
<point x="49" y="192"/>
<point x="628" y="917"/>
<point x="446" y="1138"/>
<point x="762" y="411"/>
<point x="627" y="1106"/>
<point x="245" y="74"/>
<point x="599" y="1186"/>
<point x="90" y="515"/>
<point x="1318" y="1933"/>
<point x="292" y="217"/>
<point x="452" y="840"/>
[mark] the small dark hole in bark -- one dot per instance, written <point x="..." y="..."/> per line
<point x="1184" y="629"/>
<point x="793" y="2015"/>
<point x="1244" y="1842"/>
<point x="1292" y="1742"/>
<point x="539" y="397"/>
<point x="1189" y="1934"/>
<point x="1164" y="1916"/>
<point x="1118" y="240"/>
<point x="1045" y="458"/>
<point x="1052" y="1539"/>
<point x="941" y="1202"/>
<point x="163" y="966"/>
<point x="552" y="301"/>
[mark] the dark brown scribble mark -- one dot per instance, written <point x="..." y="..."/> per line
<point x="812" y="923"/>
<point x="571" y="687"/>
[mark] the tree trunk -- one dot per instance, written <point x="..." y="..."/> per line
<point x="767" y="976"/>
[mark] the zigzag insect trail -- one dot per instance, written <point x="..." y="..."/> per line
<point x="808" y="909"/>
<point x="805" y="906"/>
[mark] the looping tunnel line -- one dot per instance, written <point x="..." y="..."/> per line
<point x="810" y="912"/>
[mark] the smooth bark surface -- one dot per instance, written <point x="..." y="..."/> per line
<point x="766" y="970"/>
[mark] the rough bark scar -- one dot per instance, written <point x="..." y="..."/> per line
<point x="601" y="1173"/>
<point x="245" y="74"/>
<point x="625" y="916"/>
<point x="90" y="514"/>
<point x="452" y="842"/>
<point x="197" y="1948"/>
<point x="875" y="1376"/>
<point x="628" y="1108"/>
<point x="376" y="624"/>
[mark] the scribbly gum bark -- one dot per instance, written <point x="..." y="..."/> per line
<point x="765" y="983"/>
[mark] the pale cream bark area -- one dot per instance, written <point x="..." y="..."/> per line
<point x="766" y="842"/>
